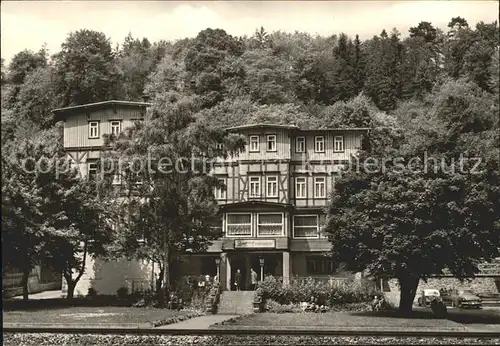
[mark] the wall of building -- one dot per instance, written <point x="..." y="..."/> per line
<point x="76" y="131"/>
<point x="352" y="142"/>
<point x="106" y="277"/>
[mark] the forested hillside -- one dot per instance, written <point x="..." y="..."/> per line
<point x="267" y="77"/>
<point x="431" y="91"/>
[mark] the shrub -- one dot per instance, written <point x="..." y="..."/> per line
<point x="122" y="293"/>
<point x="325" y="293"/>
<point x="91" y="292"/>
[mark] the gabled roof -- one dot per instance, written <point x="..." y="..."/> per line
<point x="294" y="127"/>
<point x="102" y="104"/>
<point x="262" y="126"/>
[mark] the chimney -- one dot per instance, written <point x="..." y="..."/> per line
<point x="145" y="97"/>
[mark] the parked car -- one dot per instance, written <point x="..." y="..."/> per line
<point x="465" y="299"/>
<point x="427" y="295"/>
<point x="446" y="295"/>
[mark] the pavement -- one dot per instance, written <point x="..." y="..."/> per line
<point x="201" y="322"/>
<point x="42" y="295"/>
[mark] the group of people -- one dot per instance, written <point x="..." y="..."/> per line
<point x="238" y="282"/>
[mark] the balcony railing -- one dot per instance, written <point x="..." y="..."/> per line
<point x="270" y="229"/>
<point x="239" y="230"/>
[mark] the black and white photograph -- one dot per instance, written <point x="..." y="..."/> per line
<point x="250" y="172"/>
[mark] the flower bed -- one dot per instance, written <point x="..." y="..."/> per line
<point x="273" y="306"/>
<point x="338" y="294"/>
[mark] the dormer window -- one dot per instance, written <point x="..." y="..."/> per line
<point x="338" y="143"/>
<point x="271" y="143"/>
<point x="93" y="129"/>
<point x="116" y="126"/>
<point x="254" y="143"/>
<point x="319" y="144"/>
<point x="300" y="144"/>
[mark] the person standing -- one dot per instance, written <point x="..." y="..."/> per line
<point x="254" y="279"/>
<point x="237" y="280"/>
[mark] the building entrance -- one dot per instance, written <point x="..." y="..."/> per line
<point x="245" y="262"/>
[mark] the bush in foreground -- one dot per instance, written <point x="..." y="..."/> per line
<point x="326" y="293"/>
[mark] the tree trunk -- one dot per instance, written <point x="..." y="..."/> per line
<point x="24" y="282"/>
<point x="166" y="275"/>
<point x="69" y="277"/>
<point x="71" y="290"/>
<point x="408" y="285"/>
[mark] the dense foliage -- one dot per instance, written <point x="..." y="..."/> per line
<point x="326" y="293"/>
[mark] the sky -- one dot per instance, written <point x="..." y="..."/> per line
<point x="30" y="24"/>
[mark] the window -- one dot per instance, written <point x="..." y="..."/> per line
<point x="254" y="143"/>
<point x="272" y="186"/>
<point x="135" y="178"/>
<point x="239" y="224"/>
<point x="319" y="187"/>
<point x="270" y="224"/>
<point x="254" y="186"/>
<point x="271" y="143"/>
<point x="116" y="127"/>
<point x="92" y="169"/>
<point x="317" y="265"/>
<point x="319" y="144"/>
<point x="220" y="192"/>
<point x="300" y="144"/>
<point x="338" y="143"/>
<point x="93" y="129"/>
<point x="300" y="187"/>
<point x="219" y="146"/>
<point x="117" y="178"/>
<point x="305" y="226"/>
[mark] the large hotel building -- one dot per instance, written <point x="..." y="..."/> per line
<point x="272" y="208"/>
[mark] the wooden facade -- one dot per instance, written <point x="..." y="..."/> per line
<point x="275" y="192"/>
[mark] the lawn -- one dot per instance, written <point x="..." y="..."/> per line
<point x="78" y="315"/>
<point x="341" y="320"/>
<point x="421" y="319"/>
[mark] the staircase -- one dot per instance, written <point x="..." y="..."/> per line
<point x="236" y="303"/>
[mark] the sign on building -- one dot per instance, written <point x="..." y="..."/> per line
<point x="254" y="244"/>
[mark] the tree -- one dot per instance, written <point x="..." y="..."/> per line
<point x="37" y="98"/>
<point x="268" y="79"/>
<point x="21" y="65"/>
<point x="205" y="62"/>
<point x="22" y="241"/>
<point x="424" y="30"/>
<point x="76" y="222"/>
<point x="24" y="62"/>
<point x="383" y="70"/>
<point x="261" y="39"/>
<point x="344" y="83"/>
<point x="85" y="68"/>
<point x="408" y="218"/>
<point x="177" y="203"/>
<point x="135" y="62"/>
